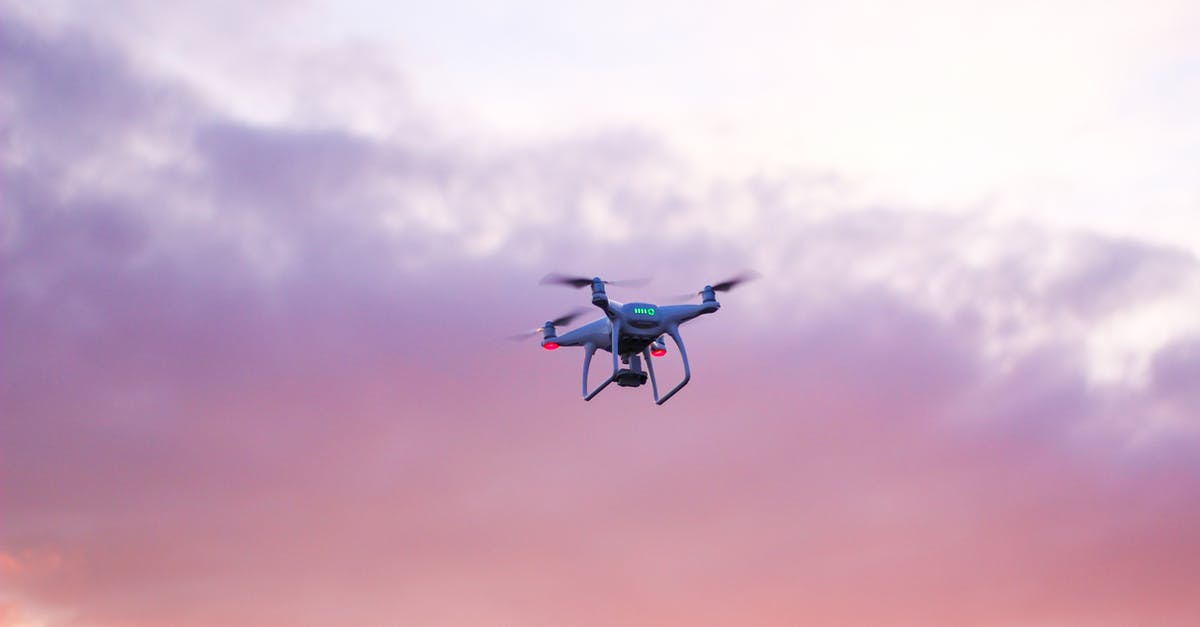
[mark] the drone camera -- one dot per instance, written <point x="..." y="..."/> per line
<point x="633" y="376"/>
<point x="627" y="378"/>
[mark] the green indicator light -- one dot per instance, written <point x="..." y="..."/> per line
<point x="649" y="311"/>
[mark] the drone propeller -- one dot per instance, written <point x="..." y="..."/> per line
<point x="577" y="282"/>
<point x="723" y="286"/>
<point x="558" y="322"/>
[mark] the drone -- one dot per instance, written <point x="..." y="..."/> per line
<point x="632" y="332"/>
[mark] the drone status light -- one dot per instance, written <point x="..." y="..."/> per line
<point x="550" y="346"/>
<point x="658" y="352"/>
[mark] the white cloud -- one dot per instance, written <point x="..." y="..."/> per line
<point x="1061" y="112"/>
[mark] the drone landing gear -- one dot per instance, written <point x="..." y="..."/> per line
<point x="588" y="351"/>
<point x="634" y="376"/>
<point x="687" y="369"/>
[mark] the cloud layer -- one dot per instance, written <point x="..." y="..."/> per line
<point x="253" y="374"/>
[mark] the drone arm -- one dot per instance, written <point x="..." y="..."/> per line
<point x="687" y="369"/>
<point x="679" y="314"/>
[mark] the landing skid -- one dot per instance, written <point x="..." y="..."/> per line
<point x="633" y="377"/>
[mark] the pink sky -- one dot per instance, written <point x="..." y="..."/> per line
<point x="255" y="374"/>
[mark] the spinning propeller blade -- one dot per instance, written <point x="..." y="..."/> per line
<point x="555" y="278"/>
<point x="558" y="322"/>
<point x="723" y="286"/>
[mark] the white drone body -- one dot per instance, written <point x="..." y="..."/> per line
<point x="632" y="332"/>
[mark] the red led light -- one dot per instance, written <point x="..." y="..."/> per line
<point x="550" y="346"/>
<point x="658" y="352"/>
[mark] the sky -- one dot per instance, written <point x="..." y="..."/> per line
<point x="259" y="263"/>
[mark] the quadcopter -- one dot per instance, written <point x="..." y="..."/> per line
<point x="632" y="332"/>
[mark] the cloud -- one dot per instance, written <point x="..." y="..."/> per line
<point x="254" y="375"/>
